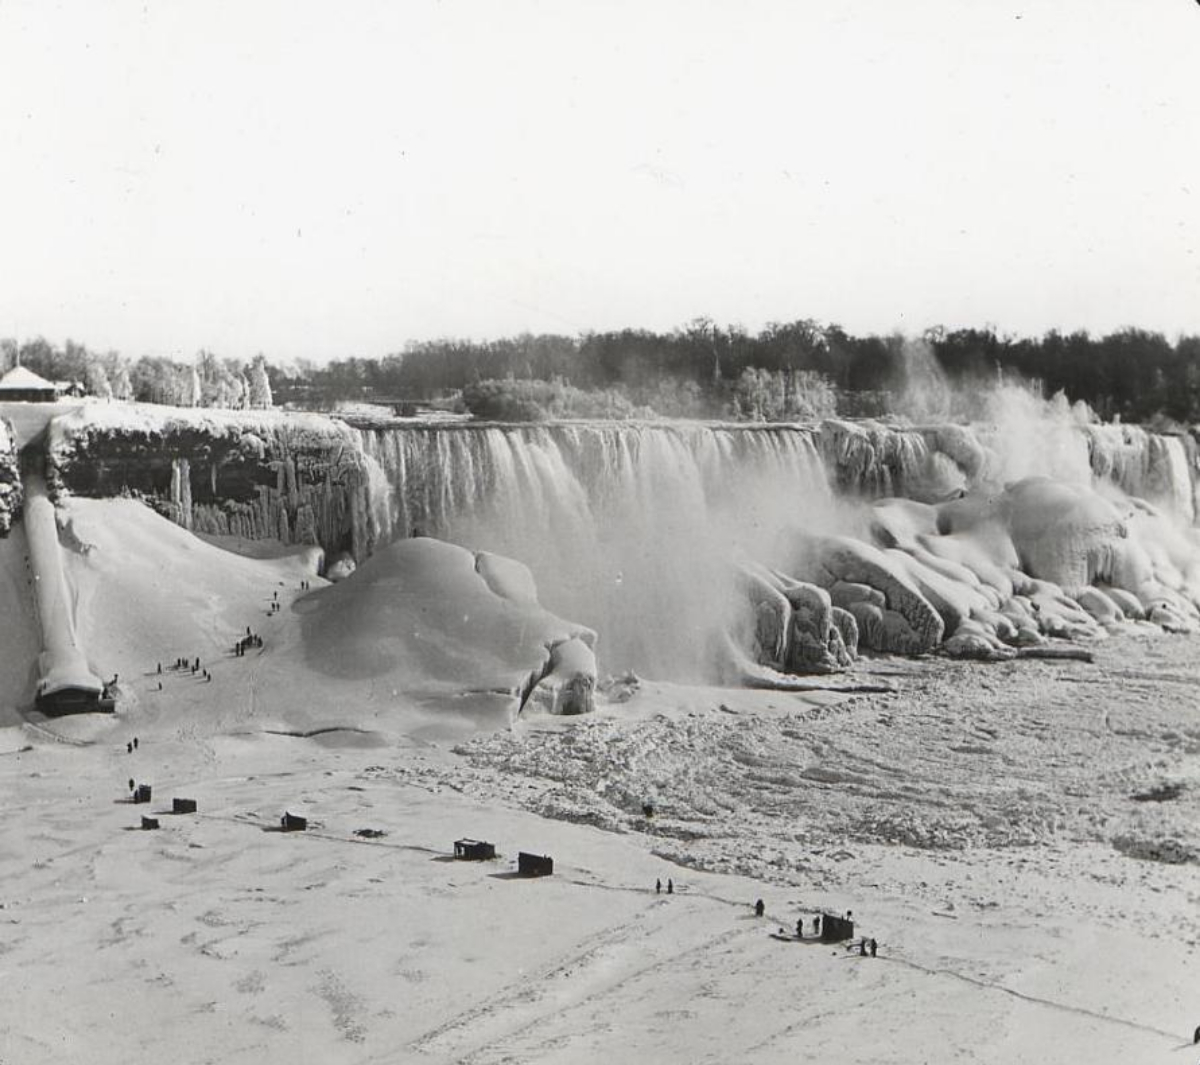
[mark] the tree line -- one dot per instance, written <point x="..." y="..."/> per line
<point x="701" y="369"/>
<point x="205" y="381"/>
<point x="794" y="369"/>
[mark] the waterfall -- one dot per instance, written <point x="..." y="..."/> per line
<point x="627" y="528"/>
<point x="1148" y="465"/>
<point x="631" y="528"/>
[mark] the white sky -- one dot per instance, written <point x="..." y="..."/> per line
<point x="321" y="180"/>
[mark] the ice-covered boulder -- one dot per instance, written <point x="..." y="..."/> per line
<point x="976" y="640"/>
<point x="954" y="600"/>
<point x="795" y="627"/>
<point x="846" y="593"/>
<point x="1100" y="606"/>
<point x="908" y="623"/>
<point x="810" y="632"/>
<point x="770" y="614"/>
<point x="570" y="676"/>
<point x="1062" y="532"/>
<point x="1072" y="547"/>
<point x="1128" y="603"/>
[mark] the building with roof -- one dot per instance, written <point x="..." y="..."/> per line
<point x="22" y="385"/>
<point x="474" y="850"/>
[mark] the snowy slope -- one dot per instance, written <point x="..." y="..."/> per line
<point x="980" y="824"/>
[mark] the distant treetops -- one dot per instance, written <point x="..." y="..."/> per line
<point x="786" y="370"/>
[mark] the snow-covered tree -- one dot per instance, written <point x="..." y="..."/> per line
<point x="118" y="378"/>
<point x="190" y="388"/>
<point x="235" y="391"/>
<point x="97" y="378"/>
<point x="220" y="384"/>
<point x="260" y="384"/>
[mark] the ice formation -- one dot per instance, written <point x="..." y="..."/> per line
<point x="787" y="548"/>
<point x="425" y="615"/>
<point x="977" y="540"/>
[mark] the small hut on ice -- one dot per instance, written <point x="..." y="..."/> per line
<point x="836" y="929"/>
<point x="473" y="850"/>
<point x="534" y="864"/>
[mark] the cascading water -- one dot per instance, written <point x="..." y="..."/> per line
<point x="1144" y="464"/>
<point x="630" y="528"/>
<point x="1025" y="436"/>
<point x="627" y="528"/>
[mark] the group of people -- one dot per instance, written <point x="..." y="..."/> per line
<point x="186" y="665"/>
<point x="251" y="639"/>
<point x="866" y="946"/>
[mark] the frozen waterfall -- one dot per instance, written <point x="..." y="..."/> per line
<point x="630" y="527"/>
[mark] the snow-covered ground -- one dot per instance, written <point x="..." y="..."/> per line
<point x="982" y="823"/>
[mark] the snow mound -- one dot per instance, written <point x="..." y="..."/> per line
<point x="421" y="615"/>
<point x="416" y="640"/>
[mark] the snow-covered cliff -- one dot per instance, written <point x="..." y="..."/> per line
<point x="299" y="478"/>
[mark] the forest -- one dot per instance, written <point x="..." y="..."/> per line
<point x="701" y="369"/>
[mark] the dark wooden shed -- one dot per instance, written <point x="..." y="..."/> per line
<point x="534" y="864"/>
<point x="474" y="850"/>
<point x="836" y="929"/>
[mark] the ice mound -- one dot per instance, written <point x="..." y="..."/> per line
<point x="424" y="638"/>
<point x="991" y="575"/>
<point x="427" y="615"/>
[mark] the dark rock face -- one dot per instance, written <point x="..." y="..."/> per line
<point x="10" y="478"/>
<point x="300" y="479"/>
